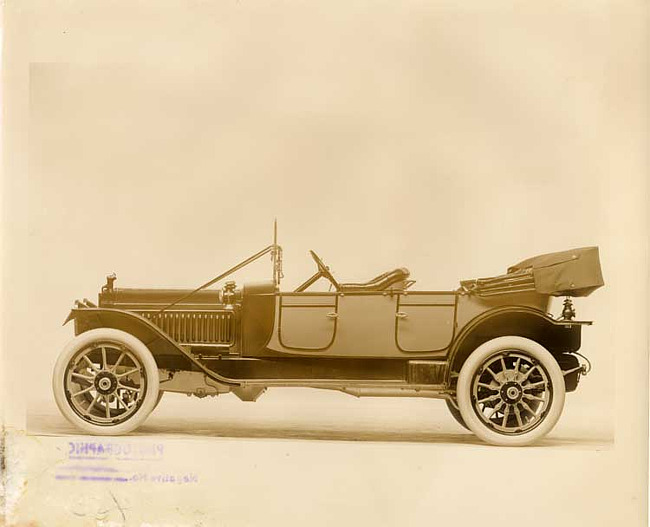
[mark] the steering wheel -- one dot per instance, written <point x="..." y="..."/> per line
<point x="323" y="269"/>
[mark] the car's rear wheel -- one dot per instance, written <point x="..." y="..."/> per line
<point x="106" y="382"/>
<point x="510" y="391"/>
<point x="455" y="413"/>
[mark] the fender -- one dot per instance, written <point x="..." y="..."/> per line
<point x="158" y="342"/>
<point x="558" y="336"/>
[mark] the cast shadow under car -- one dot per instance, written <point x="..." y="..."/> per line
<point x="255" y="431"/>
<point x="198" y="428"/>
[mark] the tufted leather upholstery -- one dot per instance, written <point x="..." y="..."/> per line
<point x="378" y="283"/>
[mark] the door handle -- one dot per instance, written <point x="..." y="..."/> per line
<point x="332" y="315"/>
<point x="401" y="314"/>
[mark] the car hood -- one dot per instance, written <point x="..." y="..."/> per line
<point x="158" y="298"/>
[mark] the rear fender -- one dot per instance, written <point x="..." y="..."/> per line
<point x="167" y="353"/>
<point x="557" y="336"/>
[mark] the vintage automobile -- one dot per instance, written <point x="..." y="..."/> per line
<point x="489" y="348"/>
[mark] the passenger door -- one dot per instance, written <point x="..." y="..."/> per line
<point x="425" y="321"/>
<point x="366" y="325"/>
<point x="307" y="321"/>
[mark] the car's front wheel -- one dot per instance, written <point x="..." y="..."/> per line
<point x="510" y="391"/>
<point x="106" y="382"/>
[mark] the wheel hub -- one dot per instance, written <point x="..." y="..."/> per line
<point x="105" y="382"/>
<point x="511" y="392"/>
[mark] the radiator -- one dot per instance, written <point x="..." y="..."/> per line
<point x="194" y="327"/>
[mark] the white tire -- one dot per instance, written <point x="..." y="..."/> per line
<point x="455" y="413"/>
<point x="160" y="396"/>
<point x="510" y="391"/>
<point x="106" y="382"/>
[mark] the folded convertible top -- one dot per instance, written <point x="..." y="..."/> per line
<point x="567" y="273"/>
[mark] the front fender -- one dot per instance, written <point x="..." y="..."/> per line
<point x="167" y="352"/>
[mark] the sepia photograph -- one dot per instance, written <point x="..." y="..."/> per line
<point x="306" y="263"/>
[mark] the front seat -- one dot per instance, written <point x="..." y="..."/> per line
<point x="378" y="283"/>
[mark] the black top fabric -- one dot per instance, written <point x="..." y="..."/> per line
<point x="568" y="273"/>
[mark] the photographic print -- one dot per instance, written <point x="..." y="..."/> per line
<point x="306" y="263"/>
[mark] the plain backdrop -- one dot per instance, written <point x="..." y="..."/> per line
<point x="160" y="140"/>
